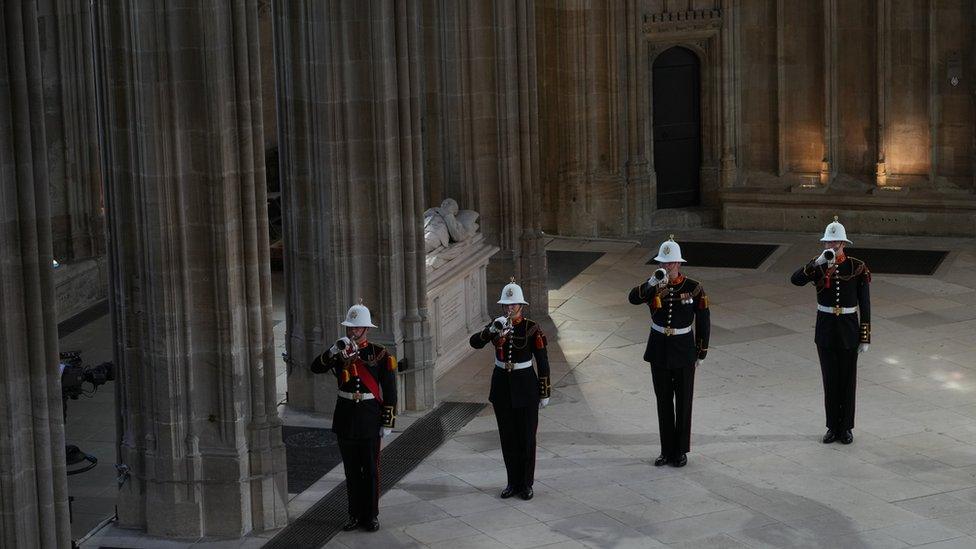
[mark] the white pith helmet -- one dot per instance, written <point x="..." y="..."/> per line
<point x="835" y="232"/>
<point x="669" y="252"/>
<point x="512" y="295"/>
<point x="358" y="317"/>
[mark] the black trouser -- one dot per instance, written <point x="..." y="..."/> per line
<point x="839" y="370"/>
<point x="361" y="461"/>
<point x="516" y="429"/>
<point x="673" y="389"/>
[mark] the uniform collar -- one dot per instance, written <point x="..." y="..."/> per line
<point x="362" y="343"/>
<point x="517" y="319"/>
<point x="677" y="280"/>
<point x="841" y="257"/>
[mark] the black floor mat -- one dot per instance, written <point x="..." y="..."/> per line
<point x="83" y="318"/>
<point x="311" y="453"/>
<point x="324" y="519"/>
<point x="893" y="261"/>
<point x="565" y="266"/>
<point x="730" y="255"/>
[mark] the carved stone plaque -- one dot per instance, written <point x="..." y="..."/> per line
<point x="451" y="305"/>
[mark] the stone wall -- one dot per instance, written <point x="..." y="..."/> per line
<point x="849" y="98"/>
<point x="482" y="129"/>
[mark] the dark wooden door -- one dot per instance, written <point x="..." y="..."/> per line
<point x="677" y="128"/>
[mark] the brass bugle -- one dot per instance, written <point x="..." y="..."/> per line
<point x="508" y="322"/>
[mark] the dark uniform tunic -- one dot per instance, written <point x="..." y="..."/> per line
<point x="515" y="395"/>
<point x="357" y="424"/>
<point x="838" y="334"/>
<point x="681" y="303"/>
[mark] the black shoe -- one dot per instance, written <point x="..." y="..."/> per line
<point x="351" y="525"/>
<point x="371" y="526"/>
<point x="508" y="492"/>
<point x="847" y="437"/>
<point x="661" y="460"/>
<point x="829" y="437"/>
<point x="526" y="494"/>
<point x="680" y="461"/>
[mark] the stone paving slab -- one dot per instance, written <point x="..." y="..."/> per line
<point x="757" y="475"/>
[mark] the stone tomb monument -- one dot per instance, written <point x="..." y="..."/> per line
<point x="457" y="261"/>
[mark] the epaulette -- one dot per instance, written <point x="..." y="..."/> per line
<point x="535" y="330"/>
<point x="696" y="287"/>
<point x="860" y="268"/>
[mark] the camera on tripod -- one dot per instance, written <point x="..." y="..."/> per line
<point x="74" y="375"/>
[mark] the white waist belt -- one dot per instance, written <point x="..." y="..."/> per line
<point x="513" y="365"/>
<point x="836" y="310"/>
<point x="356" y="396"/>
<point x="670" y="331"/>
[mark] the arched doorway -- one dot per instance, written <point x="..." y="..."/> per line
<point x="675" y="99"/>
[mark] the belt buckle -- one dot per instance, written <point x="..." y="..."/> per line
<point x="357" y="397"/>
<point x="837" y="310"/>
<point x="669" y="331"/>
<point x="509" y="366"/>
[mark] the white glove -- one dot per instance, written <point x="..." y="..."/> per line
<point x="350" y="347"/>
<point x="500" y="320"/>
<point x="655" y="279"/>
<point x="863" y="348"/>
<point x="543" y="403"/>
<point x="822" y="258"/>
<point x="699" y="362"/>
<point x="385" y="431"/>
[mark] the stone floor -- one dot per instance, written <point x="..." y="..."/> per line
<point x="757" y="475"/>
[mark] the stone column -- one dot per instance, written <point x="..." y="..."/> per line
<point x="640" y="200"/>
<point x="730" y="93"/>
<point x="191" y="280"/>
<point x="71" y="128"/>
<point x="781" y="132"/>
<point x="350" y="100"/>
<point x="883" y="85"/>
<point x="33" y="485"/>
<point x="830" y="165"/>
<point x="593" y="171"/>
<point x="936" y="67"/>
<point x="505" y="126"/>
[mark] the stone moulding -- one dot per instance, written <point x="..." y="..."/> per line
<point x="923" y="214"/>
<point x="682" y="21"/>
<point x="457" y="300"/>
